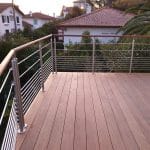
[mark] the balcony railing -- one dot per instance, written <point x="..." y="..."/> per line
<point x="25" y="69"/>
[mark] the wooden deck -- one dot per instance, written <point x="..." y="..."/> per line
<point x="81" y="111"/>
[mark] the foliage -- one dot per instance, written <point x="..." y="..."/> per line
<point x="11" y="41"/>
<point x="127" y="4"/>
<point x="75" y="12"/>
<point x="48" y="28"/>
<point x="114" y="56"/>
<point x="100" y="3"/>
<point x="140" y="24"/>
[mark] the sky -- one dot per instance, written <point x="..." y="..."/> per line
<point x="45" y="6"/>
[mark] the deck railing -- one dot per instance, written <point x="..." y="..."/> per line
<point x="23" y="73"/>
<point x="25" y="69"/>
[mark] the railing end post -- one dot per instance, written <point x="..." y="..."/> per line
<point x="23" y="129"/>
<point x="18" y="98"/>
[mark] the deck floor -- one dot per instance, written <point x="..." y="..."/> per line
<point x="81" y="111"/>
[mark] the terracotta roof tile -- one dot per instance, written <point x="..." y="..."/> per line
<point x="39" y="16"/>
<point x="105" y="17"/>
<point x="4" y="6"/>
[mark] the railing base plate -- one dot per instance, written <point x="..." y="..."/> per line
<point x="24" y="129"/>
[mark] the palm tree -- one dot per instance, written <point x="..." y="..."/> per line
<point x="140" y="24"/>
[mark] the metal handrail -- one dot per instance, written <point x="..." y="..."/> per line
<point x="103" y="35"/>
<point x="12" y="52"/>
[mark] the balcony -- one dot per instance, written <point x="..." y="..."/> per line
<point x="63" y="97"/>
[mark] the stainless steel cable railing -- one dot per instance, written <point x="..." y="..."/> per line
<point x="23" y="77"/>
<point x="94" y="53"/>
<point x="21" y="83"/>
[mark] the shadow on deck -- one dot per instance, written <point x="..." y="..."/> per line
<point x="81" y="111"/>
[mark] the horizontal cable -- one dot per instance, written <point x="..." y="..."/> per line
<point x="46" y="54"/>
<point x="25" y="95"/>
<point x="30" y="100"/>
<point x="8" y="97"/>
<point x="20" y="62"/>
<point x="46" y="45"/>
<point x="11" y="131"/>
<point x="28" y="82"/>
<point x="5" y="80"/>
<point x="29" y="68"/>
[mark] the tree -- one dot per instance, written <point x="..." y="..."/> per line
<point x="75" y="12"/>
<point x="100" y="3"/>
<point x="140" y="24"/>
<point x="127" y="4"/>
<point x="48" y="28"/>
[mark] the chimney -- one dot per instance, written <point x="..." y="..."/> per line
<point x="54" y="15"/>
<point x="30" y="13"/>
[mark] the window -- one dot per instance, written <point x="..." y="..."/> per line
<point x="5" y="19"/>
<point x="17" y="19"/>
<point x="35" y="21"/>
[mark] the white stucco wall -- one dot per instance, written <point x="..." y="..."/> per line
<point x="40" y="22"/>
<point x="9" y="26"/>
<point x="93" y="31"/>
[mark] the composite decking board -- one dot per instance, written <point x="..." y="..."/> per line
<point x="137" y="101"/>
<point x="80" y="126"/>
<point x="142" y="87"/>
<point x="30" y="116"/>
<point x="56" y="135"/>
<point x="122" y="97"/>
<point x="115" y="135"/>
<point x="67" y="142"/>
<point x="45" y="131"/>
<point x="91" y="126"/>
<point x="104" y="137"/>
<point x="90" y="111"/>
<point x="137" y="98"/>
<point x="134" y="100"/>
<point x="124" y="129"/>
<point x="37" y="124"/>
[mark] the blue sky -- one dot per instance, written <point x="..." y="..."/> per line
<point x="44" y="6"/>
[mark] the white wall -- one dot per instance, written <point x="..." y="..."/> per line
<point x="93" y="31"/>
<point x="40" y="22"/>
<point x="10" y="26"/>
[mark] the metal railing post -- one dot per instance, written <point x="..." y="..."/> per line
<point x="132" y="53"/>
<point x="41" y="67"/>
<point x="18" y="98"/>
<point x="55" y="55"/>
<point x="93" y="56"/>
<point x="52" y="55"/>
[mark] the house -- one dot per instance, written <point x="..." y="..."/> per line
<point x="105" y="21"/>
<point x="82" y="4"/>
<point x="37" y="19"/>
<point x="78" y="3"/>
<point x="7" y="24"/>
<point x="65" y="11"/>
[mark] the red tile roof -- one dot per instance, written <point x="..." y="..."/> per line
<point x="105" y="17"/>
<point x="4" y="6"/>
<point x="39" y="15"/>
